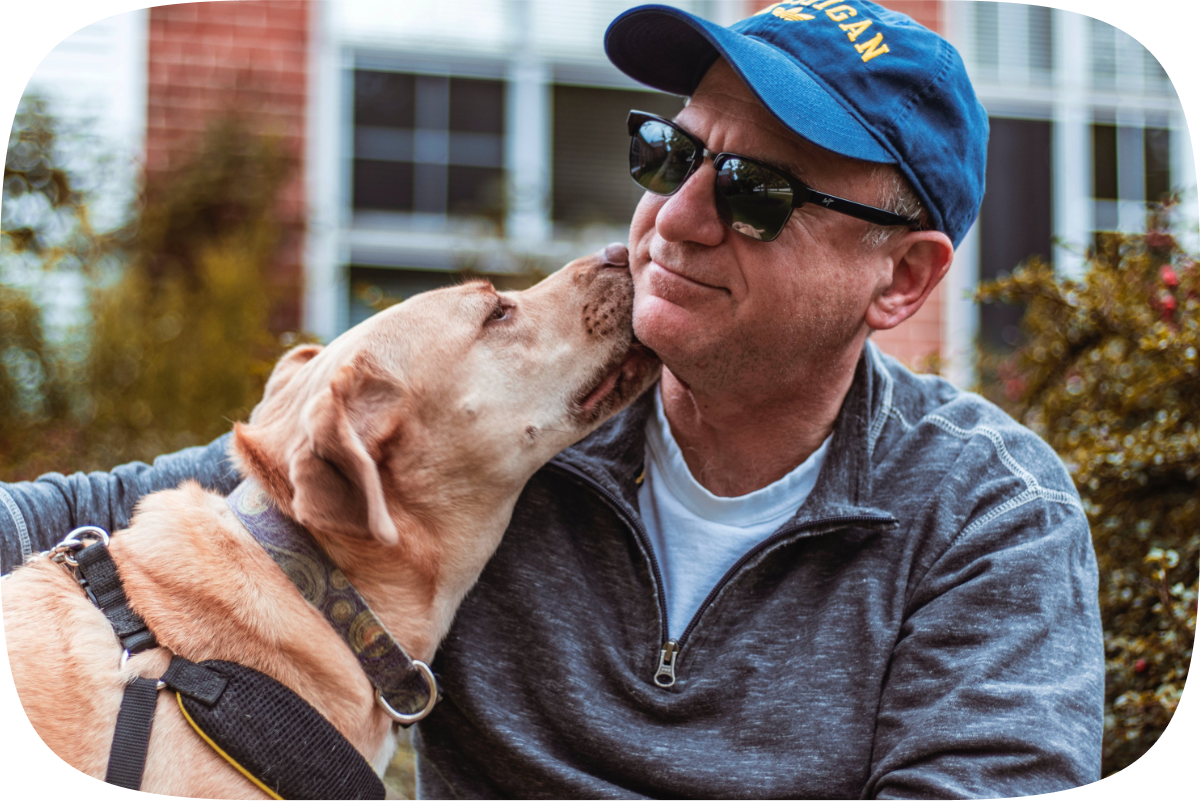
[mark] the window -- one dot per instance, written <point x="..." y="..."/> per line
<point x="1104" y="54"/>
<point x="1015" y="219"/>
<point x="428" y="144"/>
<point x="1104" y="161"/>
<point x="1113" y="158"/>
<point x="371" y="286"/>
<point x="1041" y="42"/>
<point x="591" y="182"/>
<point x="1157" y="81"/>
<point x="1157" y="148"/>
<point x="987" y="35"/>
<point x="1011" y="43"/>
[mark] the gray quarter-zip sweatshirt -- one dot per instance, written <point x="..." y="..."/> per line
<point x="925" y="626"/>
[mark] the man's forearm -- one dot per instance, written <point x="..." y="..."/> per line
<point x="34" y="515"/>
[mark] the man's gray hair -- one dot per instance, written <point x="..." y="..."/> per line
<point x="897" y="196"/>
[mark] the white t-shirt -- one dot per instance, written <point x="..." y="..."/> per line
<point x="697" y="536"/>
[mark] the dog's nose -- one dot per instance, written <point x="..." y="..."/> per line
<point x="615" y="255"/>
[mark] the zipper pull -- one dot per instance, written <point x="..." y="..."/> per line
<point x="665" y="677"/>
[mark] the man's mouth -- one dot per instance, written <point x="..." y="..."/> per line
<point x="680" y="275"/>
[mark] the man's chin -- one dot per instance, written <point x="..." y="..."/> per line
<point x="658" y="324"/>
<point x="667" y="372"/>
<point x="679" y="337"/>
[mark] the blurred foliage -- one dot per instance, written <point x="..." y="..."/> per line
<point x="32" y="392"/>
<point x="931" y="363"/>
<point x="44" y="212"/>
<point x="177" y="344"/>
<point x="1108" y="374"/>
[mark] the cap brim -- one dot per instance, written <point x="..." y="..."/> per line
<point x="670" y="50"/>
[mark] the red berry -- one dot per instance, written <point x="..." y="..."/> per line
<point x="1160" y="239"/>
<point x="1140" y="666"/>
<point x="1168" y="276"/>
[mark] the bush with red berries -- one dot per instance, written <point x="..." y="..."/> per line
<point x="1108" y="373"/>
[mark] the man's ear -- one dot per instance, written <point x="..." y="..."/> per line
<point x="919" y="260"/>
<point x="335" y="472"/>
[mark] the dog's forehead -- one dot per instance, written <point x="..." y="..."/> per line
<point x="442" y="312"/>
<point x="422" y="325"/>
<point x="472" y="295"/>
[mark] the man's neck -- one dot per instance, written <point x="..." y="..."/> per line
<point x="735" y="442"/>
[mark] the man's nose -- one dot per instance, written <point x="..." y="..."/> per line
<point x="690" y="215"/>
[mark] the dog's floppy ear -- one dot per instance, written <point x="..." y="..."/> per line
<point x="288" y="365"/>
<point x="335" y="475"/>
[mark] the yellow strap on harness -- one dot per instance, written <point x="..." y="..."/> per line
<point x="222" y="754"/>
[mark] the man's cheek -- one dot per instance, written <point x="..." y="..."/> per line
<point x="641" y="225"/>
<point x="637" y="270"/>
<point x="641" y="306"/>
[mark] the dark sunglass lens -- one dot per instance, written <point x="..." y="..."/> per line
<point x="660" y="157"/>
<point x="752" y="199"/>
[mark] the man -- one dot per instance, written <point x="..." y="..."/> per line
<point x="794" y="569"/>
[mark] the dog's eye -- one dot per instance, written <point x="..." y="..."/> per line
<point x="500" y="312"/>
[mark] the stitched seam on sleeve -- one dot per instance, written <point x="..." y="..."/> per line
<point x="1033" y="488"/>
<point x="19" y="519"/>
<point x="1022" y="499"/>
<point x="997" y="441"/>
<point x="1012" y="503"/>
<point x="1061" y="497"/>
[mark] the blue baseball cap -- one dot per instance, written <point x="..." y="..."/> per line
<point x="848" y="75"/>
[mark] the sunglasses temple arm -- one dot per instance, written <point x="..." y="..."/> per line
<point x="862" y="212"/>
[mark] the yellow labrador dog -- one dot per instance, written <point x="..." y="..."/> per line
<point x="402" y="446"/>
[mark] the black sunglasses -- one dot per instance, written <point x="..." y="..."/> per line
<point x="752" y="198"/>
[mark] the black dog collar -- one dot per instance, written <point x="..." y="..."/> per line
<point x="404" y="687"/>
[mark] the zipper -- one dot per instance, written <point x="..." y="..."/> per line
<point x="664" y="675"/>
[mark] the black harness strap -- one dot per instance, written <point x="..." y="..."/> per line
<point x="99" y="578"/>
<point x="127" y="759"/>
<point x="131" y="739"/>
<point x="272" y="736"/>
<point x="194" y="681"/>
<point x="267" y="732"/>
<point x="97" y="574"/>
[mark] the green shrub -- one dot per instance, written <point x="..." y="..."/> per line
<point x="1108" y="373"/>
<point x="176" y="342"/>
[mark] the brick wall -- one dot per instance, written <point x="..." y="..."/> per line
<point x="249" y="55"/>
<point x="914" y="340"/>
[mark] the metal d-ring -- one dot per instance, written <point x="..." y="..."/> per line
<point x="400" y="717"/>
<point x="74" y="542"/>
